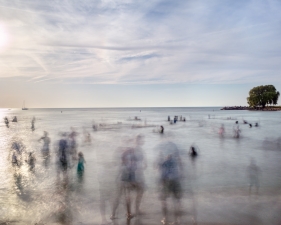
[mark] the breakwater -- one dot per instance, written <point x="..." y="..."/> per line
<point x="252" y="109"/>
<point x="235" y="108"/>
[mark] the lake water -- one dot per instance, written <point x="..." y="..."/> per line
<point x="216" y="184"/>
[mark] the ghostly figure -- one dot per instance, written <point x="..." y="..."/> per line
<point x="253" y="174"/>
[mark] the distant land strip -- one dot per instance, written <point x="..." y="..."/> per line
<point x="269" y="108"/>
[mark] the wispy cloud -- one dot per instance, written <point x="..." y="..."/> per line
<point x="141" y="42"/>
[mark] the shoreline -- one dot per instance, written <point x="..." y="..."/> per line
<point x="278" y="108"/>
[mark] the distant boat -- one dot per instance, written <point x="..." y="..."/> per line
<point x="23" y="107"/>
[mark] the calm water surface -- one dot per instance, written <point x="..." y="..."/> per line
<point x="29" y="197"/>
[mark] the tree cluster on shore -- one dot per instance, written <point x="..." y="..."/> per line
<point x="263" y="95"/>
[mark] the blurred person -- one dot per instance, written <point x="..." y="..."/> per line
<point x="80" y="165"/>
<point x="132" y="178"/>
<point x="6" y="121"/>
<point x="222" y="131"/>
<point x="128" y="168"/>
<point x="15" y="119"/>
<point x="108" y="173"/>
<point x="141" y="165"/>
<point x="201" y="123"/>
<point x="87" y="136"/>
<point x="33" y="123"/>
<point x="62" y="156"/>
<point x="169" y="118"/>
<point x="170" y="168"/>
<point x="161" y="130"/>
<point x="18" y="147"/>
<point x="72" y="144"/>
<point x="237" y="132"/>
<point x="45" y="149"/>
<point x="193" y="153"/>
<point x="105" y="189"/>
<point x="31" y="161"/>
<point x="15" y="159"/>
<point x="95" y="127"/>
<point x="250" y="125"/>
<point x="46" y="143"/>
<point x="19" y="185"/>
<point x="253" y="174"/>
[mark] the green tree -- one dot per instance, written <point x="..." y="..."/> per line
<point x="262" y="96"/>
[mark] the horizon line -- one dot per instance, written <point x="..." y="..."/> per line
<point x="118" y="107"/>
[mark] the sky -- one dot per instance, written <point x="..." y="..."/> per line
<point x="136" y="53"/>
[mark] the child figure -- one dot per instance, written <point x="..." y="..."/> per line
<point x="15" y="159"/>
<point x="81" y="161"/>
<point x="31" y="161"/>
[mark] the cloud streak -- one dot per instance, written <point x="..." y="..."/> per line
<point x="137" y="42"/>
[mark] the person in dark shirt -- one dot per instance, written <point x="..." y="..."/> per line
<point x="170" y="169"/>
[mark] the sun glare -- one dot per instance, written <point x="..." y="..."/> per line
<point x="3" y="36"/>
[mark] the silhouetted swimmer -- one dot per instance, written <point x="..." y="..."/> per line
<point x="193" y="153"/>
<point x="250" y="125"/>
<point x="245" y="122"/>
<point x="256" y="125"/>
<point x="15" y="119"/>
<point x="161" y="129"/>
<point x="175" y="119"/>
<point x="169" y="118"/>
<point x="183" y="119"/>
<point x="236" y="122"/>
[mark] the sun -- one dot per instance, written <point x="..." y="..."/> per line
<point x="3" y="36"/>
